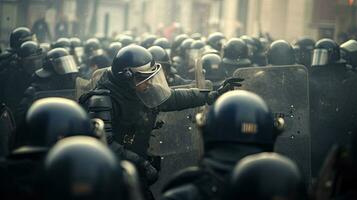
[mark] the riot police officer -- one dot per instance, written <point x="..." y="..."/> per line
<point x="177" y="43"/>
<point x="9" y="59"/>
<point x="161" y="56"/>
<point x="327" y="52"/>
<point x="92" y="47"/>
<point x="163" y="43"/>
<point x="235" y="55"/>
<point x="17" y="37"/>
<point x="216" y="41"/>
<point x="259" y="56"/>
<point x="148" y="41"/>
<point x="305" y="47"/>
<point x="30" y="59"/>
<point x="213" y="71"/>
<point x="281" y="53"/>
<point x="183" y="52"/>
<point x="266" y="176"/>
<point x="56" y="78"/>
<point x="103" y="176"/>
<point x="125" y="40"/>
<point x="129" y="96"/>
<point x="63" y="43"/>
<point x="348" y="53"/>
<point x="239" y="124"/>
<point x="251" y="44"/>
<point x="47" y="121"/>
<point x="113" y="49"/>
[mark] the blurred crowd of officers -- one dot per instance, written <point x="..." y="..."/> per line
<point x="77" y="117"/>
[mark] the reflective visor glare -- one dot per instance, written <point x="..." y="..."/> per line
<point x="320" y="57"/>
<point x="65" y="65"/>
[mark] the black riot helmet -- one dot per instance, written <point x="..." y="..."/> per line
<point x="349" y="52"/>
<point x="125" y="40"/>
<point x="305" y="47"/>
<point x="178" y="40"/>
<point x="326" y="52"/>
<point x="62" y="43"/>
<point x="81" y="167"/>
<point x="91" y="46"/>
<point x="211" y="64"/>
<point x="113" y="49"/>
<point x="134" y="65"/>
<point x="163" y="43"/>
<point x="51" y="119"/>
<point x="197" y="44"/>
<point x="233" y="50"/>
<point x="19" y="36"/>
<point x="251" y="43"/>
<point x="216" y="40"/>
<point x="29" y="48"/>
<point x="196" y="36"/>
<point x="281" y="53"/>
<point x="31" y="56"/>
<point x="240" y="117"/>
<point x="194" y="51"/>
<point x="75" y="42"/>
<point x="148" y="41"/>
<point x="58" y="61"/>
<point x="185" y="47"/>
<point x="160" y="55"/>
<point x="266" y="176"/>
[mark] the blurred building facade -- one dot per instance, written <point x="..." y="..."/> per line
<point x="287" y="19"/>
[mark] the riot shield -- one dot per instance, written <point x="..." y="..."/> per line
<point x="333" y="110"/>
<point x="285" y="90"/>
<point x="66" y="93"/>
<point x="7" y="127"/>
<point x="178" y="142"/>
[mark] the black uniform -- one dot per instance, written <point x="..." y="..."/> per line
<point x="226" y="133"/>
<point x="132" y="121"/>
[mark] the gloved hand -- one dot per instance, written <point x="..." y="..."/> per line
<point x="226" y="85"/>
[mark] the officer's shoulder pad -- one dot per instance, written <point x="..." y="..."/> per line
<point x="182" y="177"/>
<point x="95" y="92"/>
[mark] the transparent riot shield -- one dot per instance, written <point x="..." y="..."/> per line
<point x="333" y="110"/>
<point x="285" y="89"/>
<point x="7" y="127"/>
<point x="178" y="142"/>
<point x="66" y="93"/>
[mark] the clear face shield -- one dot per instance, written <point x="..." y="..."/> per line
<point x="320" y="57"/>
<point x="150" y="85"/>
<point x="64" y="65"/>
<point x="79" y="53"/>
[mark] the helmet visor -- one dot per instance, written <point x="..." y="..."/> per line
<point x="152" y="88"/>
<point x="79" y="53"/>
<point x="65" y="65"/>
<point x="320" y="57"/>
